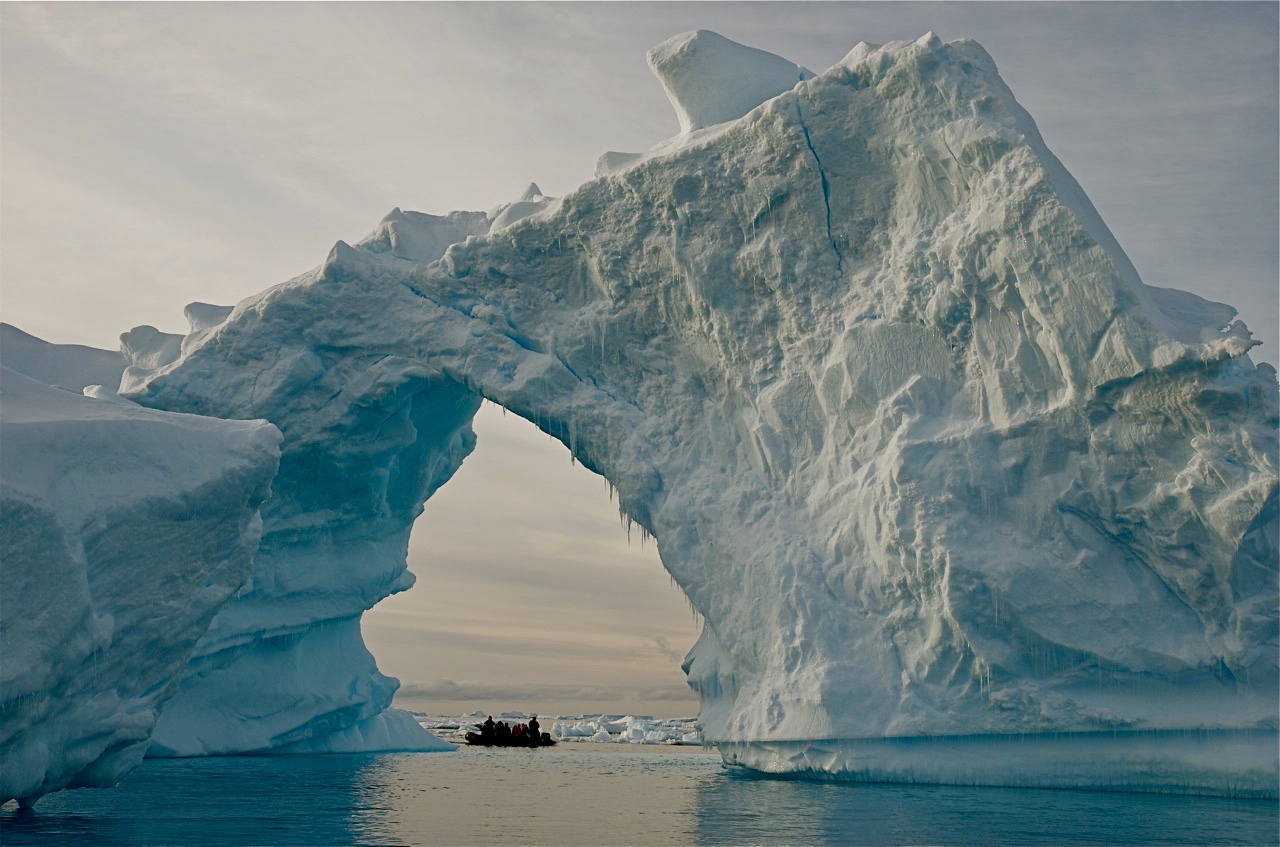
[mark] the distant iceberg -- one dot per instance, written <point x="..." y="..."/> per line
<point x="610" y="729"/>
<point x="958" y="497"/>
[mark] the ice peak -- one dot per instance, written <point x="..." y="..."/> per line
<point x="930" y="40"/>
<point x="710" y="79"/>
<point x="203" y="316"/>
<point x="342" y="255"/>
<point x="532" y="202"/>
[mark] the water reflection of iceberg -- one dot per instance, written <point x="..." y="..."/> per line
<point x="1220" y="763"/>
<point x="749" y="808"/>
<point x="223" y="800"/>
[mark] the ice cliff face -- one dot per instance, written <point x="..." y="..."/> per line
<point x="283" y="667"/>
<point x="123" y="531"/>
<point x="912" y="436"/>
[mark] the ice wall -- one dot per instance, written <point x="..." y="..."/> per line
<point x="123" y="531"/>
<point x="917" y="443"/>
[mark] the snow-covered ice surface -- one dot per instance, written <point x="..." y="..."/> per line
<point x="70" y="366"/>
<point x="123" y="530"/>
<point x="931" y="461"/>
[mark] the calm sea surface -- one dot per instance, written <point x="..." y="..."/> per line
<point x="591" y="794"/>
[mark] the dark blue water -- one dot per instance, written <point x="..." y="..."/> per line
<point x="593" y="794"/>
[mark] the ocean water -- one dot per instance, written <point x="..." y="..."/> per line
<point x="592" y="794"/>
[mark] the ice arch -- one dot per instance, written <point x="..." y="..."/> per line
<point x="919" y="446"/>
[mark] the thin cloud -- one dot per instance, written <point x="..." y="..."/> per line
<point x="476" y="690"/>
<point x="665" y="648"/>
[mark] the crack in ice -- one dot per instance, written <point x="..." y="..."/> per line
<point x="960" y="164"/>
<point x="826" y="187"/>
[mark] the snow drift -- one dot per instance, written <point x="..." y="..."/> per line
<point x="938" y="470"/>
<point x="124" y="530"/>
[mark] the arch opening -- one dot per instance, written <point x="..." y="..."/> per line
<point x="529" y="594"/>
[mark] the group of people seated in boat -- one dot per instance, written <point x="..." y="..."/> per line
<point x="502" y="734"/>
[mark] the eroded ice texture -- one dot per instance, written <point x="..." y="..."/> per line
<point x="124" y="530"/>
<point x="913" y="437"/>
<point x="283" y="667"/>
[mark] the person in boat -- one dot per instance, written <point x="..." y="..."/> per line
<point x="502" y="734"/>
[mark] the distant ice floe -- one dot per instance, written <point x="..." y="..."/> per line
<point x="600" y="728"/>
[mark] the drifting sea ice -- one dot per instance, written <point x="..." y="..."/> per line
<point x="625" y="729"/>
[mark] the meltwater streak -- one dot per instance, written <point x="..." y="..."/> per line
<point x="598" y="794"/>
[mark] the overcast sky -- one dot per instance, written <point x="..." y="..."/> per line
<point x="153" y="155"/>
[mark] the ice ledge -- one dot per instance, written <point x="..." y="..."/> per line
<point x="389" y="731"/>
<point x="1219" y="763"/>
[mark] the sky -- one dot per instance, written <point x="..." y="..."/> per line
<point x="156" y="154"/>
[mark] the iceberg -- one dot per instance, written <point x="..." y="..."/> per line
<point x="958" y="497"/>
<point x="911" y="434"/>
<point x="123" y="531"/>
